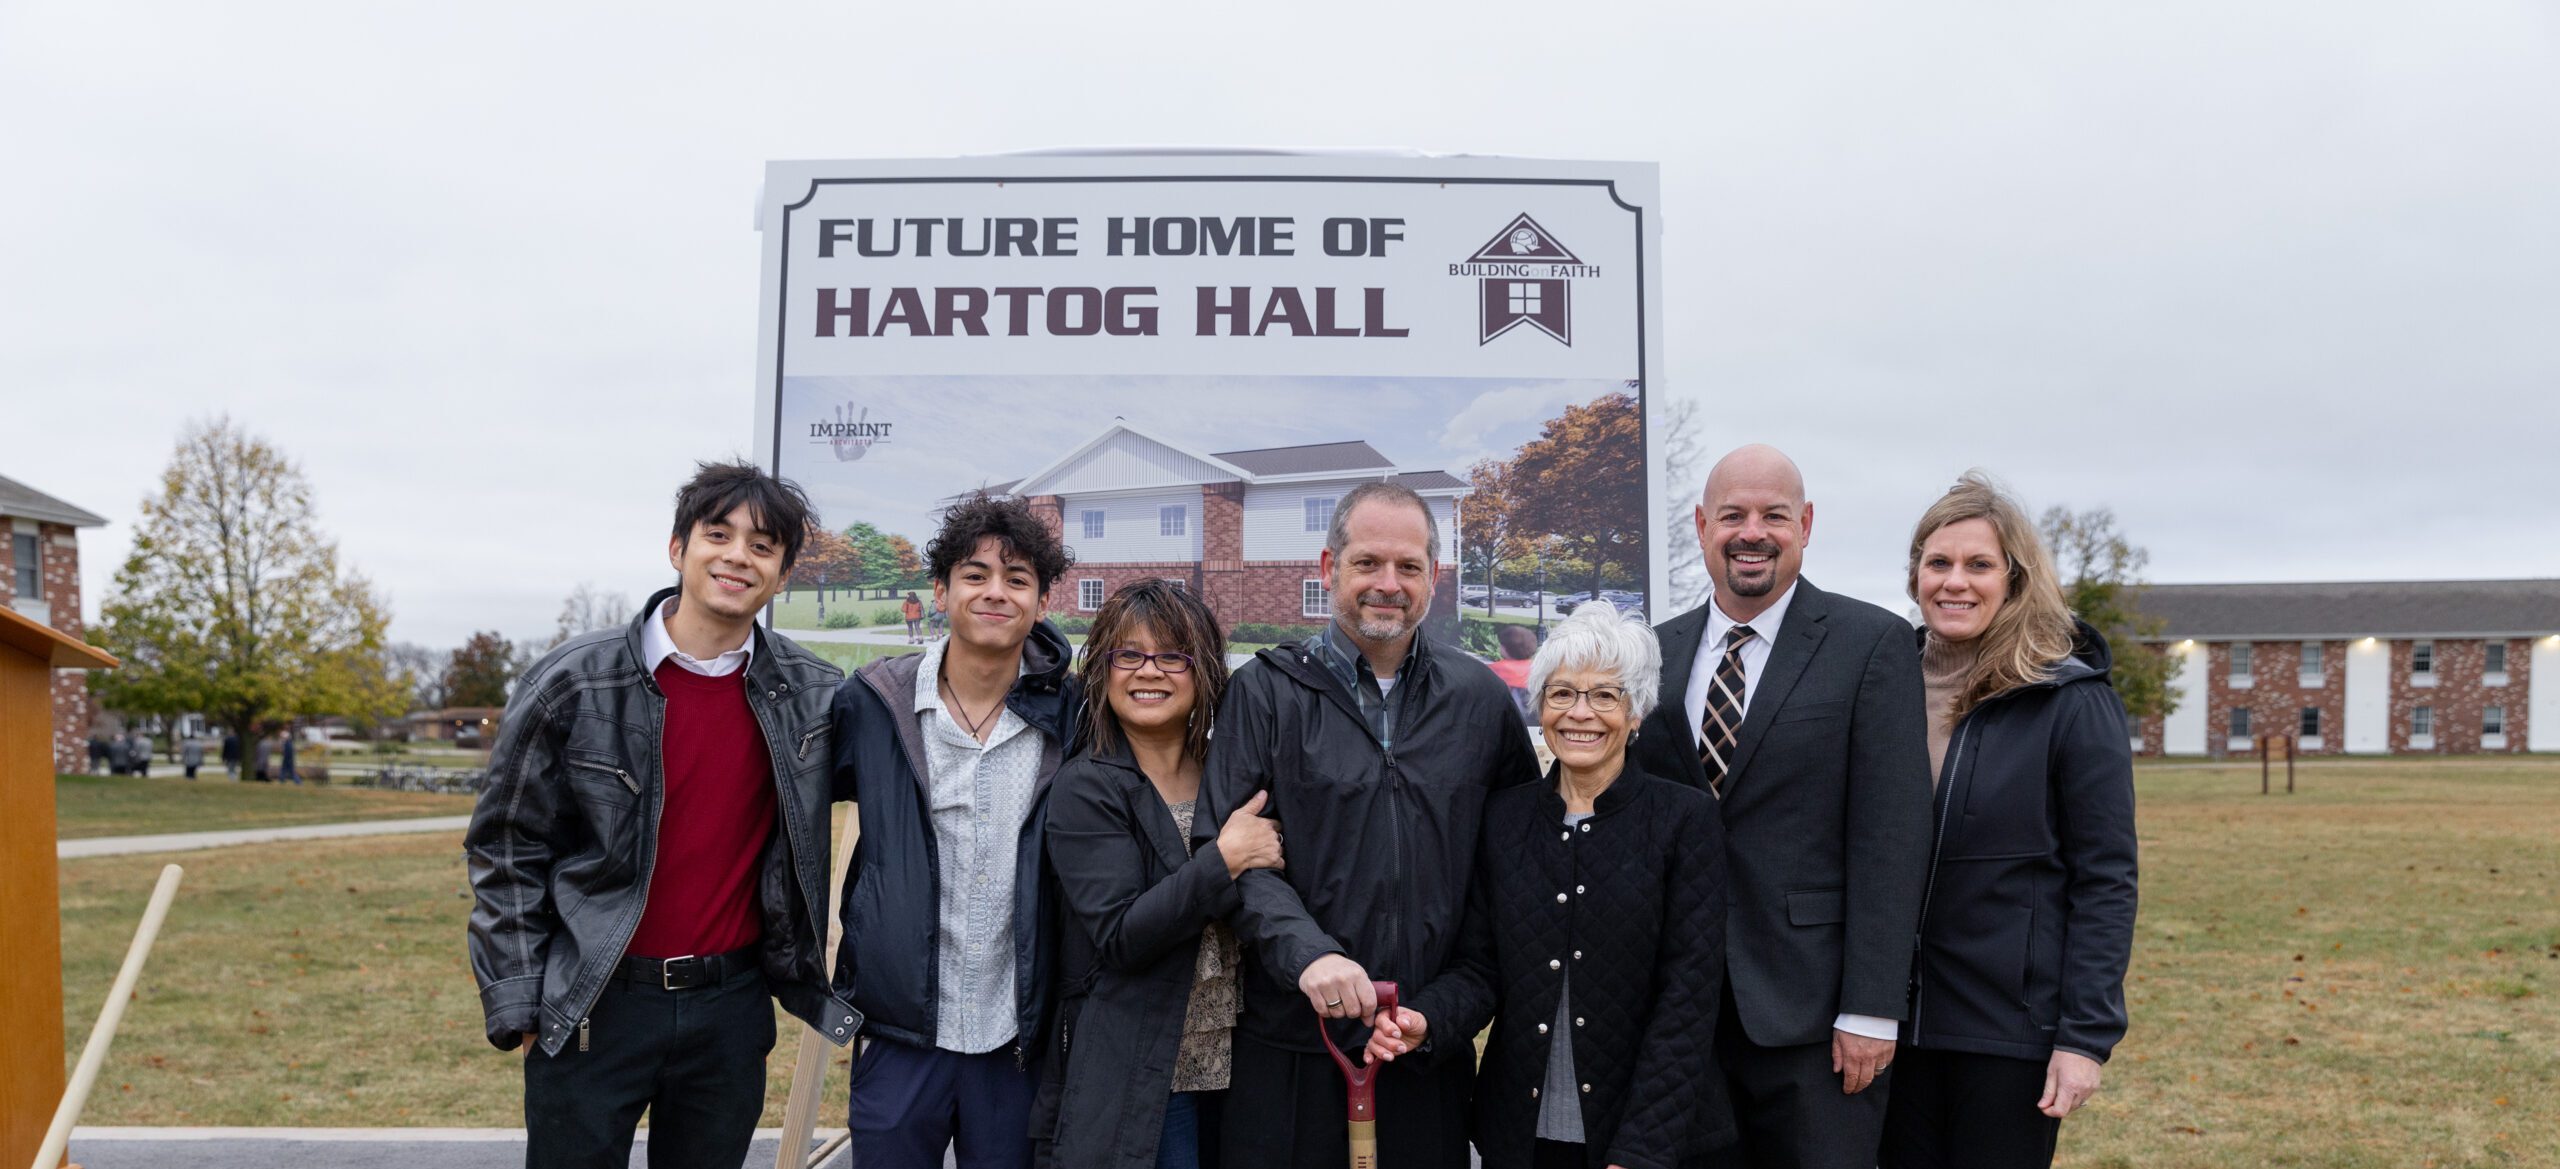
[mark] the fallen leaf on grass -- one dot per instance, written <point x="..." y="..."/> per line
<point x="2188" y="1129"/>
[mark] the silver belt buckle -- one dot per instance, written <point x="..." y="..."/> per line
<point x="667" y="972"/>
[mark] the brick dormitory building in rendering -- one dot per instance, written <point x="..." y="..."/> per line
<point x="2359" y="668"/>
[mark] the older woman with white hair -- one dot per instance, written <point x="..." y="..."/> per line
<point x="1594" y="935"/>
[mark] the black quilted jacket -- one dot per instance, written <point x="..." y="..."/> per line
<point x="1633" y="901"/>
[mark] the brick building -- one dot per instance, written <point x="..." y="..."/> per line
<point x="41" y="562"/>
<point x="1242" y="528"/>
<point x="2360" y="668"/>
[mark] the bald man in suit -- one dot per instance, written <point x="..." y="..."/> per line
<point x="1802" y="711"/>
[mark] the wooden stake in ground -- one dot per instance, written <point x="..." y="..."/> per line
<point x="94" y="1056"/>
<point x="809" y="1076"/>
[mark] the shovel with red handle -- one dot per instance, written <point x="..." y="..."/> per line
<point x="1363" y="1088"/>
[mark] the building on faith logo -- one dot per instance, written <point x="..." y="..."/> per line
<point x="1524" y="277"/>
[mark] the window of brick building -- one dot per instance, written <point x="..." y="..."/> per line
<point x="2422" y="722"/>
<point x="2494" y="664"/>
<point x="1089" y="593"/>
<point x="30" y="564"/>
<point x="1093" y="523"/>
<point x="1314" y="600"/>
<point x="1319" y="513"/>
<point x="2239" y="722"/>
<point x="2310" y="722"/>
<point x="1172" y="521"/>
<point x="2493" y="720"/>
<point x="2311" y="659"/>
<point x="2422" y="657"/>
<point x="2240" y="659"/>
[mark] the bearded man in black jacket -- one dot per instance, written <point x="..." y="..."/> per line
<point x="1378" y="748"/>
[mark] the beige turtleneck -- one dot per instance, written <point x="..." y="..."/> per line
<point x="1943" y="668"/>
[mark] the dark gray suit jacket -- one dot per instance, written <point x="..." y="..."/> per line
<point x="1826" y="813"/>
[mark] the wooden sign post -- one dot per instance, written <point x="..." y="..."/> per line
<point x="31" y="1078"/>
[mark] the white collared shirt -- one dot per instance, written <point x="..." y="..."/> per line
<point x="1755" y="655"/>
<point x="1755" y="660"/>
<point x="979" y="795"/>
<point x="657" y="645"/>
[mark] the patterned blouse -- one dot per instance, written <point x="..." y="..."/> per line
<point x="1207" y="1054"/>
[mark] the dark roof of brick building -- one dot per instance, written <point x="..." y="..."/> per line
<point x="2381" y="608"/>
<point x="18" y="499"/>
<point x="1308" y="460"/>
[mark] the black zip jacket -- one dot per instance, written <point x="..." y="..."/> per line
<point x="1133" y="908"/>
<point x="563" y="845"/>
<point x="2027" y="922"/>
<point x="1632" y="904"/>
<point x="1379" y="845"/>
<point x="887" y="963"/>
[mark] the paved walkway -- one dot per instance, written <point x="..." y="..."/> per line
<point x="188" y="841"/>
<point x="95" y="1147"/>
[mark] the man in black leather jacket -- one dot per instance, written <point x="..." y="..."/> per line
<point x="649" y="859"/>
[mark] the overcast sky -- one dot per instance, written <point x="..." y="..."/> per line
<point x="2278" y="282"/>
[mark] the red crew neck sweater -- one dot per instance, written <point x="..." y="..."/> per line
<point x="718" y="818"/>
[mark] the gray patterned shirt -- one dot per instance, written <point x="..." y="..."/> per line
<point x="1376" y="699"/>
<point x="980" y="795"/>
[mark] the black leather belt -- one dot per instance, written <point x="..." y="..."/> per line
<point x="685" y="973"/>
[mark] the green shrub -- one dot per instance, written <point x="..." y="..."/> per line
<point x="843" y="619"/>
<point x="1267" y="633"/>
<point x="890" y="616"/>
<point x="1074" y="624"/>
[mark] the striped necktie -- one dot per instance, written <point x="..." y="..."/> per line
<point x="1722" y="726"/>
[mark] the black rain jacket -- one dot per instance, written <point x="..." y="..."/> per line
<point x="1379" y="846"/>
<point x="1128" y="945"/>
<point x="2026" y="924"/>
<point x="887" y="964"/>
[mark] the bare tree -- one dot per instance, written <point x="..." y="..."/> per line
<point x="1684" y="447"/>
<point x="587" y="610"/>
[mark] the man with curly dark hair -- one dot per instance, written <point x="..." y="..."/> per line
<point x="948" y="754"/>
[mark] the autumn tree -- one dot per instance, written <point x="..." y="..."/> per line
<point x="827" y="561"/>
<point x="1582" y="483"/>
<point x="478" y="673"/>
<point x="231" y="602"/>
<point x="909" y="566"/>
<point x="1488" y="532"/>
<point x="2100" y="571"/>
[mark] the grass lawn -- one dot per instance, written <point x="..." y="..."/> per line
<point x="129" y="805"/>
<point x="2361" y="975"/>
<point x="801" y="611"/>
<point x="306" y="983"/>
<point x="853" y="655"/>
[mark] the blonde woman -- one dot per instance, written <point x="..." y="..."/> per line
<point x="2027" y="921"/>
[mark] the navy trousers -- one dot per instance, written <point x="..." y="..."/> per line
<point x="912" y="1103"/>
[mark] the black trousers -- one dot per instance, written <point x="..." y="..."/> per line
<point x="1286" y="1110"/>
<point x="1956" y="1108"/>
<point x="693" y="1059"/>
<point x="1788" y="1106"/>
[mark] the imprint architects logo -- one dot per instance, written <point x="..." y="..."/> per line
<point x="1524" y="277"/>
<point x="852" y="433"/>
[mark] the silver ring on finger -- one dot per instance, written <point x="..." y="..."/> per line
<point x="1333" y="1002"/>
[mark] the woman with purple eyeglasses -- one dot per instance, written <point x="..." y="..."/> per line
<point x="1137" y="1059"/>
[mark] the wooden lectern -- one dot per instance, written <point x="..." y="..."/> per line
<point x="31" y="1076"/>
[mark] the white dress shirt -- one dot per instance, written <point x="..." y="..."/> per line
<point x="657" y="645"/>
<point x="1755" y="661"/>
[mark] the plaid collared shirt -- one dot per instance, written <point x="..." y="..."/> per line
<point x="1378" y="704"/>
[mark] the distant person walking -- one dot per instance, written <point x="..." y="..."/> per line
<point x="288" y="775"/>
<point x="913" y="611"/>
<point x="137" y="753"/>
<point x="191" y="756"/>
<point x="265" y="751"/>
<point x="231" y="754"/>
<point x="97" y="755"/>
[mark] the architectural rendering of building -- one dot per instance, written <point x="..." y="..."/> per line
<point x="1243" y="528"/>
